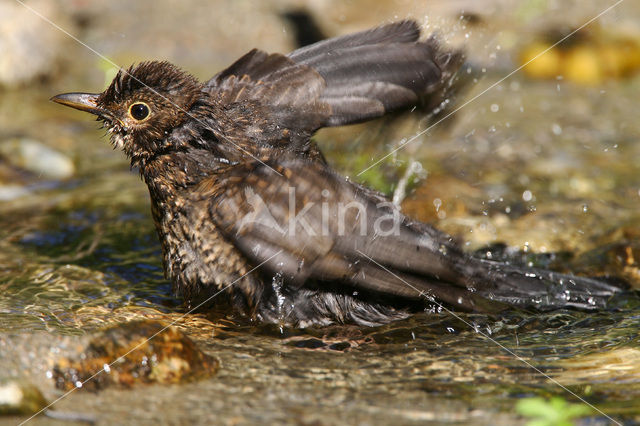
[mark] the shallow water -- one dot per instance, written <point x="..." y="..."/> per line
<point x="549" y="168"/>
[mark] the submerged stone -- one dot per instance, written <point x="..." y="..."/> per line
<point x="133" y="353"/>
<point x="37" y="158"/>
<point x="20" y="397"/>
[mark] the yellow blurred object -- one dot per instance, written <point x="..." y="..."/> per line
<point x="614" y="61"/>
<point x="629" y="53"/>
<point x="583" y="65"/>
<point x="547" y="65"/>
<point x="590" y="59"/>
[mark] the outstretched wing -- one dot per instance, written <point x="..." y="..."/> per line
<point x="340" y="81"/>
<point x="310" y="225"/>
<point x="313" y="225"/>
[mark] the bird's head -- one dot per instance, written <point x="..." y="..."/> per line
<point x="141" y="106"/>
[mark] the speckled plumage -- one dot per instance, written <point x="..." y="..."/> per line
<point x="207" y="151"/>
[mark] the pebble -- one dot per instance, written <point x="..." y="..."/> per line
<point x="37" y="158"/>
<point x="134" y="353"/>
<point x="20" y="397"/>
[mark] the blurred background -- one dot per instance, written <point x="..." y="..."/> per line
<point x="540" y="168"/>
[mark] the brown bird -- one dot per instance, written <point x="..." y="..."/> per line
<point x="248" y="211"/>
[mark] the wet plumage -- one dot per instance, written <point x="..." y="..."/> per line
<point x="226" y="159"/>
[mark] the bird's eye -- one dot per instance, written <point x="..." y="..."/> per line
<point x="139" y="111"/>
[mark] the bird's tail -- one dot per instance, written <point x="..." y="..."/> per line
<point x="538" y="288"/>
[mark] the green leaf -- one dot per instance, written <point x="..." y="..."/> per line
<point x="532" y="407"/>
<point x="554" y="412"/>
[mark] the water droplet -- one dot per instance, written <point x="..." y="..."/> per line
<point x="495" y="107"/>
<point x="527" y="195"/>
<point x="585" y="208"/>
<point x="277" y="284"/>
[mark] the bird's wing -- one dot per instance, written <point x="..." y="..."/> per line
<point x="309" y="224"/>
<point x="342" y="80"/>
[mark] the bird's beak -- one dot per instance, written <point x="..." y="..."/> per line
<point x="82" y="101"/>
